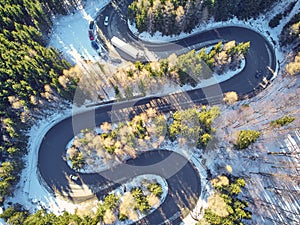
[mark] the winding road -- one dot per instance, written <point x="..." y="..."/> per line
<point x="185" y="183"/>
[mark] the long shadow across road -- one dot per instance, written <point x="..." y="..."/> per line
<point x="182" y="177"/>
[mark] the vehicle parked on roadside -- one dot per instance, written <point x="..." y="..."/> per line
<point x="91" y="26"/>
<point x="94" y="45"/>
<point x="73" y="177"/>
<point x="127" y="48"/>
<point x="91" y="35"/>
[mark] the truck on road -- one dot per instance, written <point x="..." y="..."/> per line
<point x="127" y="48"/>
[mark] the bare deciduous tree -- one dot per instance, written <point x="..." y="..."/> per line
<point x="230" y="97"/>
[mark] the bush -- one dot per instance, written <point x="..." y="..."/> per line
<point x="156" y="189"/>
<point x="10" y="211"/>
<point x="293" y="68"/>
<point x="77" y="160"/>
<point x="109" y="217"/>
<point x="283" y="121"/>
<point x="246" y="137"/>
<point x="230" y="97"/>
<point x="217" y="205"/>
<point x="111" y="201"/>
<point x="220" y="181"/>
<point x="142" y="203"/>
<point x="122" y="217"/>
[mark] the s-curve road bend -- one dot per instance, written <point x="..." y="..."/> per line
<point x="184" y="183"/>
<point x="181" y="175"/>
<point x="260" y="56"/>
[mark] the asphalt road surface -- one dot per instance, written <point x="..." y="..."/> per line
<point x="182" y="177"/>
<point x="260" y="56"/>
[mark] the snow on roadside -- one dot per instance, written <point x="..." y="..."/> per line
<point x="70" y="33"/>
<point x="30" y="192"/>
<point x="260" y="24"/>
<point x="70" y="36"/>
<point x="2" y="222"/>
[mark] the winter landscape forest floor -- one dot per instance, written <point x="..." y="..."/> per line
<point x="271" y="166"/>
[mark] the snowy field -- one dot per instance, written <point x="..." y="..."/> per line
<point x="70" y="33"/>
<point x="271" y="165"/>
<point x="71" y="37"/>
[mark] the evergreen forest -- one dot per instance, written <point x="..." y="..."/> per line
<point x="29" y="76"/>
<point x="176" y="16"/>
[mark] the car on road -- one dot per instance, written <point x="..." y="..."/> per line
<point x="106" y="21"/>
<point x="91" y="26"/>
<point x="94" y="45"/>
<point x="73" y="177"/>
<point x="91" y="35"/>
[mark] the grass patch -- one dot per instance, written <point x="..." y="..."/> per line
<point x="282" y="121"/>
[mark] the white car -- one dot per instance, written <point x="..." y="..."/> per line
<point x="106" y="21"/>
<point x="73" y="177"/>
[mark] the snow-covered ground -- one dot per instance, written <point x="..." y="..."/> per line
<point x="259" y="24"/>
<point x="30" y="192"/>
<point x="70" y="33"/>
<point x="138" y="182"/>
<point x="70" y="36"/>
<point x="270" y="165"/>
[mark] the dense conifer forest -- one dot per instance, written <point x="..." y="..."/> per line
<point x="175" y="16"/>
<point x="29" y="74"/>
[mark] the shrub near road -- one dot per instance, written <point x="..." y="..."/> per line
<point x="293" y="68"/>
<point x="283" y="121"/>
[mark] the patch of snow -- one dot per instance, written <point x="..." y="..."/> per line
<point x="70" y="33"/>
<point x="30" y="192"/>
<point x="137" y="182"/>
<point x="2" y="222"/>
<point x="263" y="172"/>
